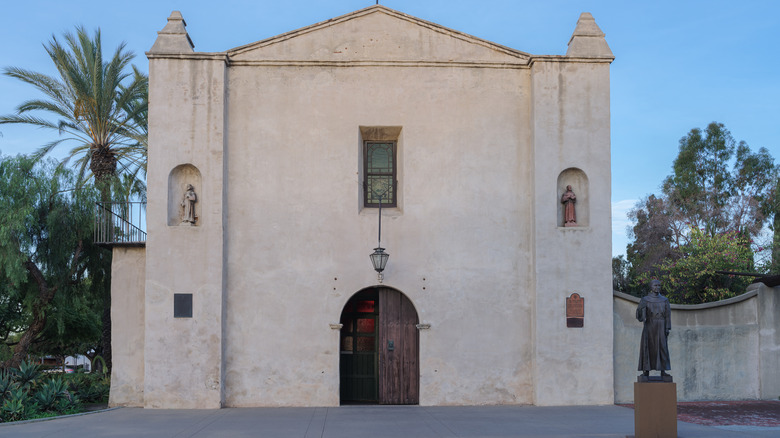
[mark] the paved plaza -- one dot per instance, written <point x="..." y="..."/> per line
<point x="364" y="421"/>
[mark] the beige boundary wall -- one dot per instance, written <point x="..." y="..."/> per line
<point x="728" y="350"/>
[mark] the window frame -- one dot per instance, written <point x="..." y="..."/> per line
<point x="394" y="174"/>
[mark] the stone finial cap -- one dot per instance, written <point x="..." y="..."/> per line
<point x="588" y="39"/>
<point x="173" y="38"/>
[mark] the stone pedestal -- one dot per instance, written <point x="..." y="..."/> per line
<point x="655" y="410"/>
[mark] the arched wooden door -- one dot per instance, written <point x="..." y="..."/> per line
<point x="379" y="360"/>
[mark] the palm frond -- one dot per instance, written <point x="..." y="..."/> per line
<point x="99" y="104"/>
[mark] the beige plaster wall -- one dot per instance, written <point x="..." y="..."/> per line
<point x="282" y="241"/>
<point x="570" y="113"/>
<point x="459" y="243"/>
<point x="183" y="356"/>
<point x="719" y="351"/>
<point x="128" y="266"/>
<point x="769" y="341"/>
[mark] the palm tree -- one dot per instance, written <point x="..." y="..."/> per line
<point x="98" y="107"/>
<point x="92" y="108"/>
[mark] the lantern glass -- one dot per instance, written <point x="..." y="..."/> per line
<point x="379" y="259"/>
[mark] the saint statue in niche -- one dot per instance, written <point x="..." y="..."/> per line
<point x="656" y="314"/>
<point x="569" y="215"/>
<point x="188" y="202"/>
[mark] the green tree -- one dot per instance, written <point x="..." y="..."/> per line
<point x="717" y="187"/>
<point x="93" y="104"/>
<point x="693" y="277"/>
<point x="99" y="107"/>
<point x="49" y="267"/>
<point x="653" y="235"/>
<point x="620" y="279"/>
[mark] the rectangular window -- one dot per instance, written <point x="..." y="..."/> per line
<point x="379" y="161"/>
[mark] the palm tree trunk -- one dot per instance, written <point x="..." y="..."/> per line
<point x="103" y="166"/>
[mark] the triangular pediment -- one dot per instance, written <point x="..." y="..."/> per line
<point x="377" y="34"/>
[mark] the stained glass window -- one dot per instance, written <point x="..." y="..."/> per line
<point x="380" y="173"/>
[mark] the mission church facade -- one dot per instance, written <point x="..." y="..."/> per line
<point x="266" y="164"/>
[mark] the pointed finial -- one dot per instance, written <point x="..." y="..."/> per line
<point x="588" y="39"/>
<point x="173" y="38"/>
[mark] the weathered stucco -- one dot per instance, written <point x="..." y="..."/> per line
<point x="183" y="356"/>
<point x="128" y="266"/>
<point x="720" y="351"/>
<point x="274" y="129"/>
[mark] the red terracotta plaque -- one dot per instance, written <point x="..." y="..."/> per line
<point x="575" y="311"/>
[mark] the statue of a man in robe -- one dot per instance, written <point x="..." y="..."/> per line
<point x="569" y="215"/>
<point x="656" y="314"/>
<point x="188" y="202"/>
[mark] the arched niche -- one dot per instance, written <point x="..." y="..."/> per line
<point x="180" y="177"/>
<point x="578" y="181"/>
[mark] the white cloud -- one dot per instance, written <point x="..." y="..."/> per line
<point x="619" y="224"/>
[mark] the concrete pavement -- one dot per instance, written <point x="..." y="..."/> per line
<point x="363" y="421"/>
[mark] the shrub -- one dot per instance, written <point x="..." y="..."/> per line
<point x="27" y="374"/>
<point x="50" y="394"/>
<point x="27" y="393"/>
<point x="18" y="406"/>
<point x="90" y="388"/>
<point x="7" y="383"/>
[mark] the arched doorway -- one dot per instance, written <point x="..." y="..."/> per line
<point x="379" y="351"/>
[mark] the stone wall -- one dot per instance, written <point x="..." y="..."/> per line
<point x="728" y="350"/>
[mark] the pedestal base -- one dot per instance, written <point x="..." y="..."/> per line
<point x="655" y="410"/>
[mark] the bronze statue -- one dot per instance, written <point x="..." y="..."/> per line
<point x="656" y="313"/>
<point x="188" y="202"/>
<point x="569" y="215"/>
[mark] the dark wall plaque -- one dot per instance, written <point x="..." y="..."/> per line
<point x="182" y="305"/>
<point x="575" y="311"/>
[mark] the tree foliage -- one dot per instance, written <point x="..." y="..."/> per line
<point x="717" y="188"/>
<point x="692" y="277"/>
<point x="98" y="106"/>
<point x="52" y="277"/>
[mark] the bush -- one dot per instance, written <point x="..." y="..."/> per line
<point x="50" y="394"/>
<point x="18" y="406"/>
<point x="89" y="388"/>
<point x="27" y="393"/>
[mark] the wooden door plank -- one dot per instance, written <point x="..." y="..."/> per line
<point x="411" y="353"/>
<point x="390" y="360"/>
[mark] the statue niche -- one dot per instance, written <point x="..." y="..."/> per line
<point x="573" y="200"/>
<point x="184" y="196"/>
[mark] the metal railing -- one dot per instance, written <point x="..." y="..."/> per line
<point x="120" y="223"/>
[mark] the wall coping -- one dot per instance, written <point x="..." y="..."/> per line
<point x="752" y="291"/>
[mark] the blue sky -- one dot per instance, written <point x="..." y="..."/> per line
<point x="679" y="64"/>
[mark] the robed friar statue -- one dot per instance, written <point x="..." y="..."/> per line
<point x="656" y="313"/>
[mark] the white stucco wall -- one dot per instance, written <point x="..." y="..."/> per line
<point x="273" y="129"/>
<point x="571" y="130"/>
<point x="461" y="232"/>
<point x="183" y="356"/>
<point x="128" y="269"/>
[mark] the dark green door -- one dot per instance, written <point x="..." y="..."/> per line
<point x="358" y="348"/>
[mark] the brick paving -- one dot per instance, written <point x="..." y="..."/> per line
<point x="757" y="413"/>
<point x="730" y="413"/>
